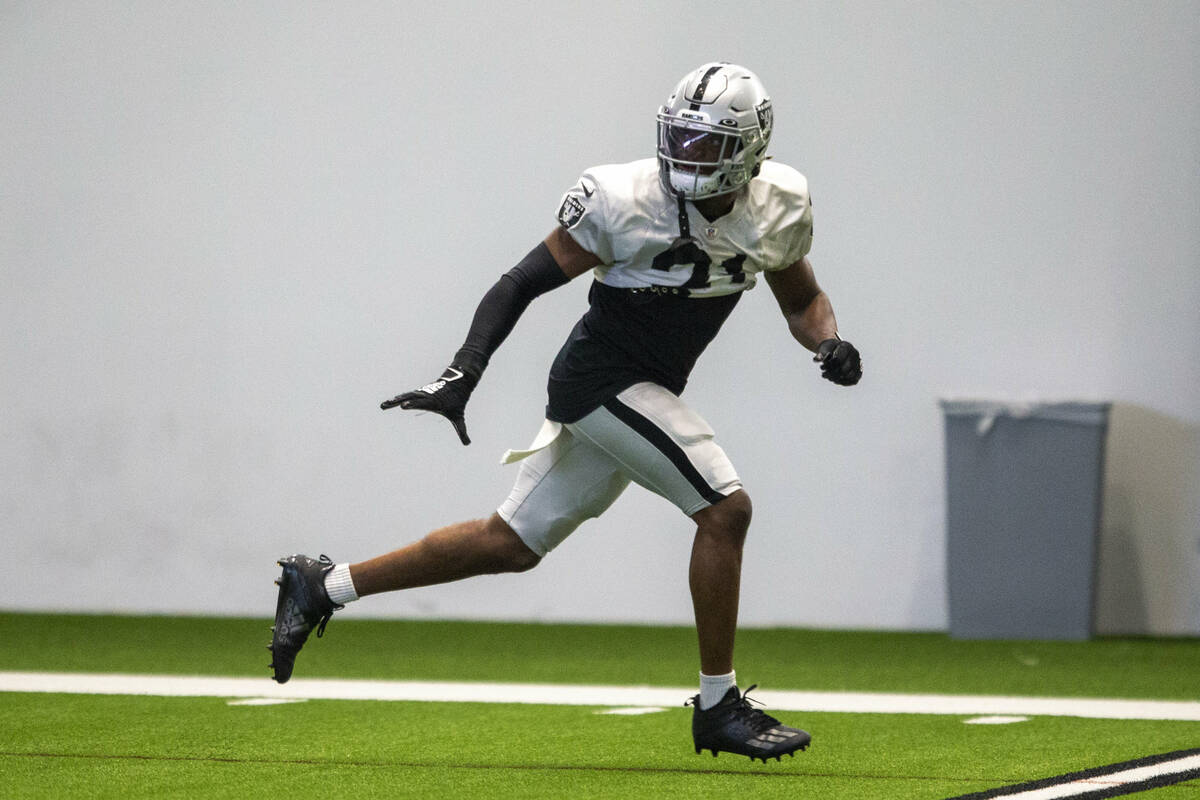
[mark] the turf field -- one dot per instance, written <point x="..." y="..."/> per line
<point x="80" y="745"/>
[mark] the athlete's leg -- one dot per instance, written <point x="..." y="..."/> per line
<point x="559" y="486"/>
<point x="310" y="590"/>
<point x="669" y="448"/>
<point x="478" y="547"/>
<point x="714" y="576"/>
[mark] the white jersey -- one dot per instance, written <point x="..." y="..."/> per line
<point x="622" y="214"/>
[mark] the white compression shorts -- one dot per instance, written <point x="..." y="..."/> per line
<point x="574" y="472"/>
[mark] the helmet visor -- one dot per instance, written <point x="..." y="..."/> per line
<point x="695" y="149"/>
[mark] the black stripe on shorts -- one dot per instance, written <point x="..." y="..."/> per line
<point x="665" y="445"/>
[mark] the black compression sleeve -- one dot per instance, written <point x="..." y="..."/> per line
<point x="537" y="273"/>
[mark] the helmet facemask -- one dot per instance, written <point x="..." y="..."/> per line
<point x="703" y="160"/>
<point x="713" y="132"/>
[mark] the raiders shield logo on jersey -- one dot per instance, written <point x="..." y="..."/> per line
<point x="570" y="212"/>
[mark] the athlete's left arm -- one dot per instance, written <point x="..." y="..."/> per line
<point x="805" y="306"/>
<point x="810" y="318"/>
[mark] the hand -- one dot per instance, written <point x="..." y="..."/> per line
<point x="447" y="396"/>
<point x="840" y="362"/>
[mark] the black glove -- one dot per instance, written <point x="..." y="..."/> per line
<point x="447" y="396"/>
<point x="840" y="362"/>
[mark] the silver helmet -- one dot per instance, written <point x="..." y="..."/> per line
<point x="713" y="131"/>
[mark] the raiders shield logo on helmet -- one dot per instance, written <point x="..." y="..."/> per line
<point x="766" y="118"/>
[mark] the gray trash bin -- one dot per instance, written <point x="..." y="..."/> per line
<point x="1024" y="485"/>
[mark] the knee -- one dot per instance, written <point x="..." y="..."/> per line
<point x="522" y="559"/>
<point x="512" y="554"/>
<point x="730" y="515"/>
<point x="738" y="511"/>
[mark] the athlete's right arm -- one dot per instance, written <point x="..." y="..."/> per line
<point x="549" y="265"/>
<point x="569" y="254"/>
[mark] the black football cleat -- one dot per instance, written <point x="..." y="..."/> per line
<point x="303" y="605"/>
<point x="734" y="726"/>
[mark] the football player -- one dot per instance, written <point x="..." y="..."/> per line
<point x="672" y="242"/>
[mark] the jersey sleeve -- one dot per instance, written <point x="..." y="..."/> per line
<point x="583" y="211"/>
<point x="786" y="208"/>
<point x="802" y="233"/>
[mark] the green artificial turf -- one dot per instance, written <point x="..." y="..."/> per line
<point x="101" y="746"/>
<point x="606" y="654"/>
<point x="54" y="745"/>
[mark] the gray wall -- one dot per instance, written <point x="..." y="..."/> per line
<point x="227" y="233"/>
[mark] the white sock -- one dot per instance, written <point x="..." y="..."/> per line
<point x="339" y="586"/>
<point x="714" y="687"/>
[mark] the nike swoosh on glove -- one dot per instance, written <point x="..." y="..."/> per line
<point x="447" y="396"/>
<point x="840" y="362"/>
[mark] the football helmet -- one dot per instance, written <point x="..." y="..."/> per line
<point x="713" y="131"/>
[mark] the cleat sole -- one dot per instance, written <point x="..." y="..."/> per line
<point x="755" y="757"/>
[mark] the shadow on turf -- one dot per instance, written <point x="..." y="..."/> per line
<point x="520" y="767"/>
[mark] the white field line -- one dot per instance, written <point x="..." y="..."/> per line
<point x="614" y="696"/>
<point x="1109" y="780"/>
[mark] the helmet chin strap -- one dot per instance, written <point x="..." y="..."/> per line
<point x="685" y="227"/>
